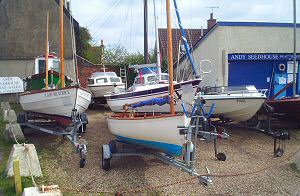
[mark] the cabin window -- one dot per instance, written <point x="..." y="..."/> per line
<point x="56" y="65"/>
<point x="138" y="81"/>
<point x="42" y="66"/>
<point x="91" y="81"/>
<point x="152" y="78"/>
<point x="114" y="79"/>
<point x="165" y="77"/>
<point x="101" y="80"/>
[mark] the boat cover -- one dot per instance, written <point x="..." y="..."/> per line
<point x="157" y="101"/>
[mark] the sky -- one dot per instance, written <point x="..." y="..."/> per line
<point x="120" y="22"/>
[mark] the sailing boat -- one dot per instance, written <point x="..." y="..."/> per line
<point x="52" y="102"/>
<point x="149" y="85"/>
<point x="289" y="107"/>
<point x="156" y="131"/>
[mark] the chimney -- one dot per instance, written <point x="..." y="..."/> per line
<point x="202" y="33"/>
<point x="101" y="52"/>
<point x="211" y="22"/>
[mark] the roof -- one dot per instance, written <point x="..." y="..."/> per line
<point x="257" y="24"/>
<point x="193" y="36"/>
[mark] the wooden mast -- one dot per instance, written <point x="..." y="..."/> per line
<point x="62" y="60"/>
<point x="170" y="58"/>
<point x="47" y="52"/>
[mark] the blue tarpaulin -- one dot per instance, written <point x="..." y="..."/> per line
<point x="154" y="101"/>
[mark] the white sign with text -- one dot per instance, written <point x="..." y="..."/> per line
<point x="11" y="85"/>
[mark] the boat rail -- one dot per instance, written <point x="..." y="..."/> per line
<point x="232" y="90"/>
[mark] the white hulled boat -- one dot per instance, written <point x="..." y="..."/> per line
<point x="147" y="87"/>
<point x="239" y="103"/>
<point x="156" y="131"/>
<point x="159" y="132"/>
<point x="101" y="83"/>
<point x="56" y="104"/>
<point x="56" y="101"/>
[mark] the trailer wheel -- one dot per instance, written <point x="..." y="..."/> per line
<point x="113" y="146"/>
<point x="21" y="119"/>
<point x="279" y="152"/>
<point x="82" y="128"/>
<point x="221" y="156"/>
<point x="82" y="162"/>
<point x="105" y="161"/>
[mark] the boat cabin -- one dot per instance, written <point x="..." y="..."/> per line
<point x="104" y="78"/>
<point x="40" y="64"/>
<point x="148" y="79"/>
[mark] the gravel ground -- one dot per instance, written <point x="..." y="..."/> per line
<point x="247" y="152"/>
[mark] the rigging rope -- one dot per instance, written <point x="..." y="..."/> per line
<point x="142" y="189"/>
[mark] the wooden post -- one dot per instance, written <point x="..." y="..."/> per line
<point x="62" y="60"/>
<point x="170" y="58"/>
<point x="17" y="176"/>
<point x="47" y="52"/>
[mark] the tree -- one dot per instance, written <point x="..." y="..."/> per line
<point x="115" y="55"/>
<point x="84" y="40"/>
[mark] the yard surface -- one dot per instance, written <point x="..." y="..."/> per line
<point x="250" y="167"/>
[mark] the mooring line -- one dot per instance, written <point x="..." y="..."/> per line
<point x="141" y="189"/>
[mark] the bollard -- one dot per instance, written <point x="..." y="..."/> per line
<point x="17" y="176"/>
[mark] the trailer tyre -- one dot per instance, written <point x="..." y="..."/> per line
<point x="82" y="162"/>
<point x="113" y="146"/>
<point x="21" y="118"/>
<point x="279" y="152"/>
<point x="221" y="156"/>
<point x="105" y="162"/>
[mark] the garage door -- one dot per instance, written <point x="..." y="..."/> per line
<point x="256" y="73"/>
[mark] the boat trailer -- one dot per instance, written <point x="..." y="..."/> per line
<point x="262" y="122"/>
<point x="78" y="125"/>
<point x="197" y="128"/>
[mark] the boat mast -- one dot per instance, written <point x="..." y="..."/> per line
<point x="157" y="45"/>
<point x="170" y="58"/>
<point x="62" y="61"/>
<point x="146" y="61"/>
<point x="185" y="42"/>
<point x="294" y="68"/>
<point x="47" y="52"/>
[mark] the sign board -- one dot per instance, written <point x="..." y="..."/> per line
<point x="11" y="85"/>
<point x="261" y="57"/>
<point x="290" y="67"/>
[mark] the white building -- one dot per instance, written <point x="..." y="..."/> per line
<point x="245" y="53"/>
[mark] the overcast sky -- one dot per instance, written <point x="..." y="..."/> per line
<point x="121" y="21"/>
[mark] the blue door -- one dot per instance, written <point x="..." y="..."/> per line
<point x="257" y="73"/>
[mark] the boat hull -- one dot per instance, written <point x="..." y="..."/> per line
<point x="288" y="107"/>
<point x="159" y="132"/>
<point x="56" y="103"/>
<point x="236" y="108"/>
<point x="101" y="90"/>
<point x="187" y="89"/>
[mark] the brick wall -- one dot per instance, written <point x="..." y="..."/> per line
<point x="86" y="68"/>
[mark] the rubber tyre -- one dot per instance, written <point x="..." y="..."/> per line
<point x="221" y="156"/>
<point x="105" y="162"/>
<point x="82" y="162"/>
<point x="113" y="146"/>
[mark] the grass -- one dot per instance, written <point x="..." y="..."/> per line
<point x="7" y="186"/>
<point x="294" y="168"/>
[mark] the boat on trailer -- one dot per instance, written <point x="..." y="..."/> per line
<point x="234" y="103"/>
<point x="56" y="104"/>
<point x="158" y="131"/>
<point x="164" y="136"/>
<point x="51" y="103"/>
<point x="101" y="83"/>
<point x="146" y="91"/>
